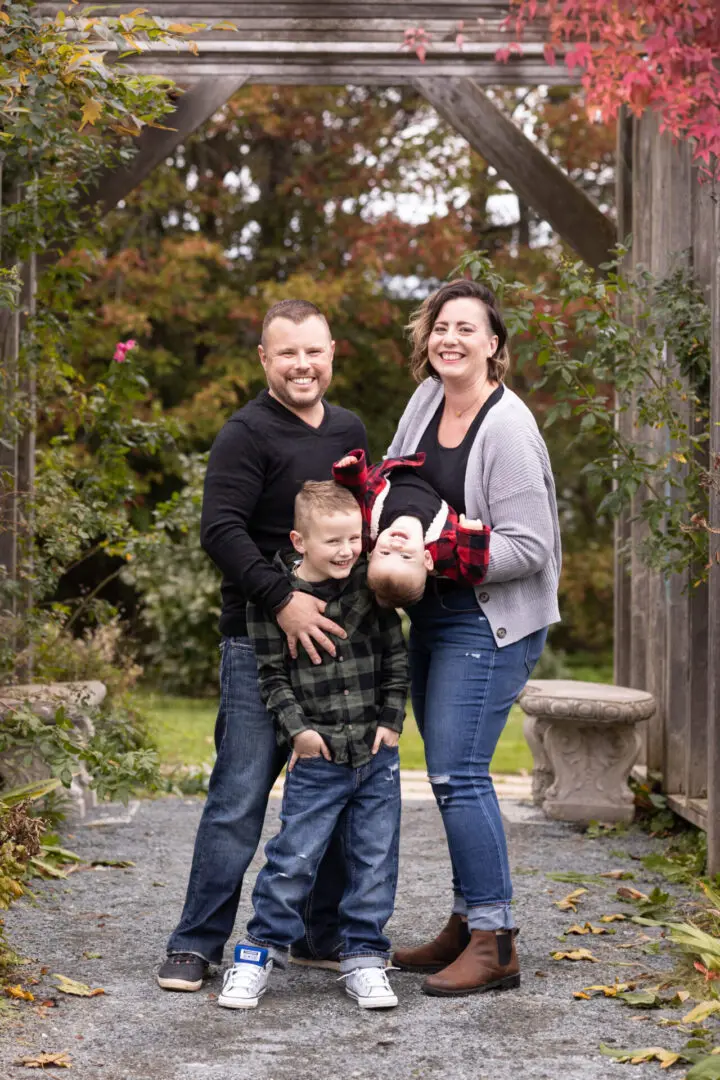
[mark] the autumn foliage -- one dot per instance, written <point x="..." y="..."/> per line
<point x="644" y="54"/>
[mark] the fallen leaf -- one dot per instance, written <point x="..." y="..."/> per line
<point x="588" y="928"/>
<point x="581" y="995"/>
<point x="680" y="997"/>
<point x="92" y="956"/>
<point x="576" y="954"/>
<point x="648" y="998"/>
<point x="19" y="993"/>
<point x="118" y="863"/>
<point x="49" y="1003"/>
<point x="570" y="902"/>
<point x="607" y="991"/>
<point x="39" y="1061"/>
<point x="619" y="875"/>
<point x="616" y="917"/>
<point x="78" y="989"/>
<point x="637" y="1057"/>
<point x="626" y="892"/>
<point x="701" y="1012"/>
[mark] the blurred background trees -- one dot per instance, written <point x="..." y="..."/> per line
<point x="361" y="201"/>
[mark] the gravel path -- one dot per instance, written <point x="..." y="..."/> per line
<point x="306" y="1028"/>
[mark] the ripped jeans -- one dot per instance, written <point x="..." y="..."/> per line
<point x="364" y="804"/>
<point x="463" y="687"/>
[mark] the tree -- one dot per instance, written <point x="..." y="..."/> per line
<point x="645" y="54"/>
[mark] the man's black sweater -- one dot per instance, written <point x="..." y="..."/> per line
<point x="258" y="463"/>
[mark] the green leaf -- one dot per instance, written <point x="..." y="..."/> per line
<point x="707" y="1068"/>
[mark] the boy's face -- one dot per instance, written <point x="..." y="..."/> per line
<point x="330" y="545"/>
<point x="401" y="546"/>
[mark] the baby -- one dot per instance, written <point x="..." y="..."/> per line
<point x="409" y="530"/>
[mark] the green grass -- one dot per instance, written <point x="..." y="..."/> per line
<point x="183" y="729"/>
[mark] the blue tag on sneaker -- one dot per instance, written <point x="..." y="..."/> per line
<point x="250" y="954"/>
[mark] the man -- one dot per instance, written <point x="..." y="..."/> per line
<point x="259" y="461"/>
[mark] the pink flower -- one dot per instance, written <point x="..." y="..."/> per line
<point x="122" y="349"/>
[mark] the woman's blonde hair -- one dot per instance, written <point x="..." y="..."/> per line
<point x="423" y="320"/>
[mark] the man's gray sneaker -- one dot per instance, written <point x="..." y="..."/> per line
<point x="182" y="971"/>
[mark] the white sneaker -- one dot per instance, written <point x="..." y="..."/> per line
<point x="370" y="988"/>
<point x="247" y="980"/>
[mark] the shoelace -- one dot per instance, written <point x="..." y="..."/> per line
<point x="183" y="958"/>
<point x="374" y="978"/>
<point x="244" y="977"/>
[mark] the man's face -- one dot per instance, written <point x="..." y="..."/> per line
<point x="330" y="545"/>
<point x="297" y="358"/>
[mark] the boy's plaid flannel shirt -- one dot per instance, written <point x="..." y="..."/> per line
<point x="346" y="697"/>
<point x="458" y="553"/>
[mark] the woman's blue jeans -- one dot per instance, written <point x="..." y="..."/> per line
<point x="463" y="687"/>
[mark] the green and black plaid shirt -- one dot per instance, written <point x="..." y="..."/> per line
<point x="348" y="696"/>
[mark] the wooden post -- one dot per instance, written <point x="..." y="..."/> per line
<point x="622" y="611"/>
<point x="713" y="715"/>
<point x="532" y="176"/>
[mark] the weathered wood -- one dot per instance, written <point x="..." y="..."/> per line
<point x="194" y="108"/>
<point x="641" y="210"/>
<point x="332" y="43"/>
<point x="532" y="175"/>
<point x="622" y="597"/>
<point x="703" y="243"/>
<point x="713" y="735"/>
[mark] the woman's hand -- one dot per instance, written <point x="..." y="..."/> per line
<point x="308" y="744"/>
<point x="470" y="523"/>
<point x="385" y="736"/>
<point x="302" y="620"/>
<point x="344" y="462"/>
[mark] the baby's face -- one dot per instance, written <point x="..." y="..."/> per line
<point x="401" y="546"/>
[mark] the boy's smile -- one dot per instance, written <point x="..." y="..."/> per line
<point x="330" y="545"/>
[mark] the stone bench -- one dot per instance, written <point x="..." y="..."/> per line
<point x="584" y="742"/>
<point x="18" y="767"/>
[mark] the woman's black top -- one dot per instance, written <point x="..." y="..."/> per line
<point x="409" y="495"/>
<point x="445" y="467"/>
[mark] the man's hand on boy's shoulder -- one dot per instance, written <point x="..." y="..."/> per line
<point x="302" y="620"/>
<point x="385" y="736"/>
<point x="308" y="744"/>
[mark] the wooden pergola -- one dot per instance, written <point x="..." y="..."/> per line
<point x="325" y="42"/>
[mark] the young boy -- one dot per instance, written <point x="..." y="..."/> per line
<point x="410" y="529"/>
<point x="343" y="719"/>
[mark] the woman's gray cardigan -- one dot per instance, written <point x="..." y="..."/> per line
<point x="508" y="485"/>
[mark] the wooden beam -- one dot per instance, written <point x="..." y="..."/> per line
<point x="713" y="734"/>
<point x="194" y="108"/>
<point x="532" y="175"/>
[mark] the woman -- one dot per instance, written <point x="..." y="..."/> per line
<point x="472" y="650"/>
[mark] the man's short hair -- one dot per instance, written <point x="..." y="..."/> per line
<point x="393" y="592"/>
<point x="297" y="311"/>
<point x="322" y="497"/>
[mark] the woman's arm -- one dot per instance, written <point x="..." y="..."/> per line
<point x="515" y="474"/>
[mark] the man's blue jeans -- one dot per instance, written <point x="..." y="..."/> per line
<point x="365" y="804"/>
<point x="248" y="763"/>
<point x="463" y="687"/>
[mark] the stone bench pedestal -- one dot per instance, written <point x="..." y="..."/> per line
<point x="17" y="767"/>
<point x="584" y="742"/>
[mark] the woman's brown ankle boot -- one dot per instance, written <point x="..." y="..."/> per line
<point x="488" y="963"/>
<point x="437" y="954"/>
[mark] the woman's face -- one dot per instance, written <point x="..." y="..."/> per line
<point x="461" y="342"/>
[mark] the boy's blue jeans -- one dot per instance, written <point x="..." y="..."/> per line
<point x="248" y="763"/>
<point x="365" y="803"/>
<point x="463" y="687"/>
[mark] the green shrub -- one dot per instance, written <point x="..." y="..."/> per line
<point x="179" y="590"/>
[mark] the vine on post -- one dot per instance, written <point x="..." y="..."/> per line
<point x="599" y="366"/>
